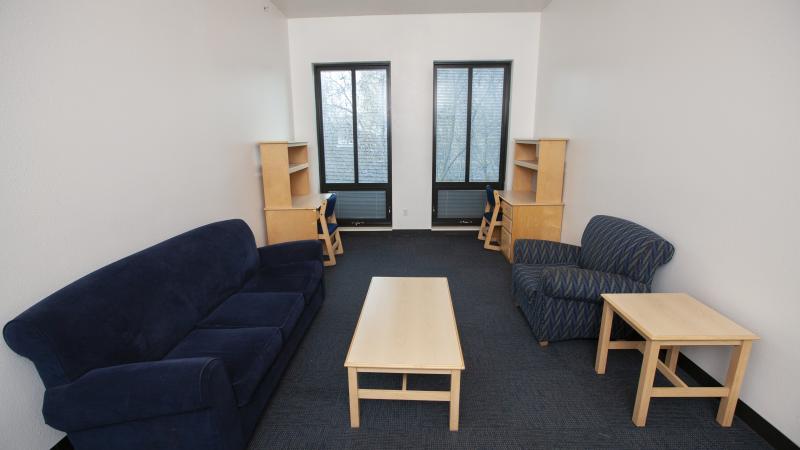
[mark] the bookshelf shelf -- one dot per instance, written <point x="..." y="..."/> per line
<point x="528" y="164"/>
<point x="297" y="167"/>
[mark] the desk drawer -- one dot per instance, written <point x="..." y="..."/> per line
<point x="508" y="211"/>
<point x="506" y="245"/>
<point x="507" y="223"/>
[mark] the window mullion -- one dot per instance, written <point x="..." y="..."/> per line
<point x="355" y="124"/>
<point x="469" y="124"/>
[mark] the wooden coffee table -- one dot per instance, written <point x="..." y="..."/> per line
<point x="407" y="325"/>
<point x="672" y="321"/>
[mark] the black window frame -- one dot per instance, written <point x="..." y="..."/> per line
<point x="356" y="186"/>
<point x="467" y="185"/>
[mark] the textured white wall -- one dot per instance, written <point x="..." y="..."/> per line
<point x="412" y="43"/>
<point x="684" y="116"/>
<point x="123" y="123"/>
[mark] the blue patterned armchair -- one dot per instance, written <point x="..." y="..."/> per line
<point x="557" y="286"/>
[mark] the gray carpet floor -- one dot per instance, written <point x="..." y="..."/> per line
<point x="514" y="394"/>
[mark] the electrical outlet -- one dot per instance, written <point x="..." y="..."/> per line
<point x="405" y="212"/>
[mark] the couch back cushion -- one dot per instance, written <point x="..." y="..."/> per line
<point x="614" y="245"/>
<point x="138" y="308"/>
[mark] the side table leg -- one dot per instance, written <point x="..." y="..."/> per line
<point x="672" y="357"/>
<point x="455" y="395"/>
<point x="733" y="381"/>
<point x="604" y="339"/>
<point x="352" y="381"/>
<point x="646" y="378"/>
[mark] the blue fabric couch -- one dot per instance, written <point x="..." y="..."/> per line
<point x="178" y="346"/>
<point x="557" y="286"/>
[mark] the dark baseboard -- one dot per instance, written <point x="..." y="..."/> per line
<point x="63" y="444"/>
<point x="754" y="420"/>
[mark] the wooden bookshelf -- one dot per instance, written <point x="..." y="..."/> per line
<point x="290" y="209"/>
<point x="534" y="208"/>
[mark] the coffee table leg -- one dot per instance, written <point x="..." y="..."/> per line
<point x="646" y="378"/>
<point x="455" y="395"/>
<point x="733" y="381"/>
<point x="604" y="339"/>
<point x="352" y="381"/>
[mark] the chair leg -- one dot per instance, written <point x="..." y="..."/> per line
<point x="487" y="243"/>
<point x="339" y="245"/>
<point x="480" y="230"/>
<point x="331" y="261"/>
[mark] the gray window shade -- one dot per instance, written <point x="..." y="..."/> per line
<point x="337" y="123"/>
<point x="451" y="123"/>
<point x="460" y="204"/>
<point x="360" y="204"/>
<point x="486" y="124"/>
<point x="372" y="126"/>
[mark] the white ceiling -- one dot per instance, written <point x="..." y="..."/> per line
<point x="331" y="8"/>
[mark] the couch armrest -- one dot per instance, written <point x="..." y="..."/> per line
<point x="289" y="252"/>
<point x="534" y="251"/>
<point x="136" y="391"/>
<point x="583" y="284"/>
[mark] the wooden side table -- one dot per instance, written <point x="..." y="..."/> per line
<point x="672" y="321"/>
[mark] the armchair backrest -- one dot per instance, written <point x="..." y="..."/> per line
<point x="135" y="309"/>
<point x="614" y="245"/>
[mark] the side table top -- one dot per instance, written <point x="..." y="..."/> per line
<point x="675" y="317"/>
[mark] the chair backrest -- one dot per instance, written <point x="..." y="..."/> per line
<point x="330" y="206"/>
<point x="614" y="245"/>
<point x="490" y="197"/>
<point x="135" y="309"/>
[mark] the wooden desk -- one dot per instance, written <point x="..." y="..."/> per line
<point x="407" y="325"/>
<point x="525" y="218"/>
<point x="673" y="321"/>
<point x="294" y="223"/>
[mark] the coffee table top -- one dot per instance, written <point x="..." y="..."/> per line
<point x="406" y="323"/>
<point x="675" y="317"/>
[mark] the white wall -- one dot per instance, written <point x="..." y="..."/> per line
<point x="684" y="116"/>
<point x="411" y="43"/>
<point x="123" y="123"/>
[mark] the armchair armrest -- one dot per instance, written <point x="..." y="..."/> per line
<point x="534" y="251"/>
<point x="289" y="252"/>
<point x="583" y="284"/>
<point x="136" y="391"/>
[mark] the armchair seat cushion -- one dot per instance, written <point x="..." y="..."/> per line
<point x="247" y="354"/>
<point x="303" y="277"/>
<point x="254" y="309"/>
<point x="331" y="228"/>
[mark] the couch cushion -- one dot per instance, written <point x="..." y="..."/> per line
<point x="304" y="276"/>
<point x="258" y="309"/>
<point x="247" y="353"/>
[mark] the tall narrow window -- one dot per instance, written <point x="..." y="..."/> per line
<point x="354" y="138"/>
<point x="470" y="134"/>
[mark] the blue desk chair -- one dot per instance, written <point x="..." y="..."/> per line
<point x="492" y="217"/>
<point x="327" y="228"/>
